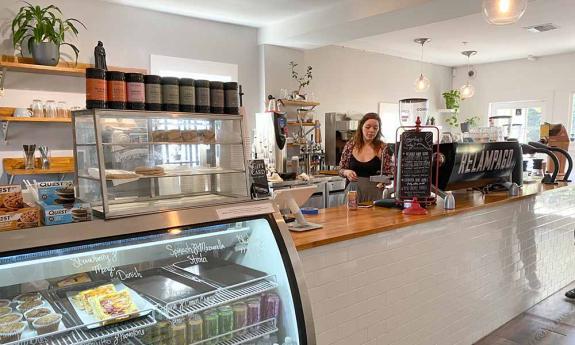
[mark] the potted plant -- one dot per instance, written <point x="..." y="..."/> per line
<point x="43" y="31"/>
<point x="452" y="98"/>
<point x="302" y="81"/>
<point x="469" y="122"/>
<point x="452" y="121"/>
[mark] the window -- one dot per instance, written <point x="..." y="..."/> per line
<point x="168" y="66"/>
<point x="525" y="118"/>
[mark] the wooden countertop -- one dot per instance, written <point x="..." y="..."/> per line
<point x="339" y="224"/>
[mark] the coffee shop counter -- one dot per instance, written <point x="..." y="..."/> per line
<point x="376" y="276"/>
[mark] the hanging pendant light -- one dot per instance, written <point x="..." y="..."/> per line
<point x="503" y="12"/>
<point x="467" y="90"/>
<point x="422" y="83"/>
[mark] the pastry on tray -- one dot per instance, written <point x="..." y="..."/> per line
<point x="150" y="171"/>
<point x="10" y="318"/>
<point x="36" y="313"/>
<point x="11" y="332"/>
<point x="82" y="298"/>
<point x="76" y="278"/>
<point x="27" y="297"/>
<point x="5" y="310"/>
<point x="25" y="306"/>
<point x="5" y="303"/>
<point x="113" y="305"/>
<point x="47" y="324"/>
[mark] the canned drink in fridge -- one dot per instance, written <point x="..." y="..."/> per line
<point x="195" y="329"/>
<point x="211" y="326"/>
<point x="240" y="316"/>
<point x="271" y="306"/>
<point x="226" y="321"/>
<point x="254" y="311"/>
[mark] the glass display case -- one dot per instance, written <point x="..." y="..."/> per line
<point x="227" y="282"/>
<point x="135" y="162"/>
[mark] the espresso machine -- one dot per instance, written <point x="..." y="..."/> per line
<point x="339" y="129"/>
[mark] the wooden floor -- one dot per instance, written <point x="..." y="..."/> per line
<point x="551" y="322"/>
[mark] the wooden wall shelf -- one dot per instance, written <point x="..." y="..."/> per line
<point x="58" y="165"/>
<point x="298" y="103"/>
<point x="6" y="120"/>
<point x="295" y="123"/>
<point x="22" y="64"/>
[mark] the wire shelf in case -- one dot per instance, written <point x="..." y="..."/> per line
<point x="249" y="333"/>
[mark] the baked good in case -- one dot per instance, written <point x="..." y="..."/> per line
<point x="113" y="305"/>
<point x="5" y="303"/>
<point x="11" y="332"/>
<point x="25" y="306"/>
<point x="76" y="278"/>
<point x="36" y="313"/>
<point x="83" y="298"/>
<point x="5" y="310"/>
<point x="47" y="324"/>
<point x="27" y="297"/>
<point x="10" y="318"/>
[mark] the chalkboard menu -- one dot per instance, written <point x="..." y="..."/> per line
<point x="258" y="179"/>
<point x="414" y="165"/>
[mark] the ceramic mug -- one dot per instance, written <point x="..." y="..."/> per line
<point x="22" y="112"/>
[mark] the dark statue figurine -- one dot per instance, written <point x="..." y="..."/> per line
<point x="100" y="56"/>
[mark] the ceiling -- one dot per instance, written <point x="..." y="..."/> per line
<point x="493" y="43"/>
<point x="389" y="26"/>
<point x="256" y="13"/>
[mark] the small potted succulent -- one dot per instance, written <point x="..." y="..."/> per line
<point x="43" y="31"/>
<point x="302" y="81"/>
<point x="469" y="122"/>
<point x="452" y="99"/>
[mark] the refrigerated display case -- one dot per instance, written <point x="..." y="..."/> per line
<point x="136" y="162"/>
<point x="174" y="278"/>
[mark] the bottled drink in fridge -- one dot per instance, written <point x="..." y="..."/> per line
<point x="195" y="329"/>
<point x="211" y="328"/>
<point x="226" y="321"/>
<point x="270" y="306"/>
<point x="254" y="311"/>
<point x="178" y="332"/>
<point x="240" y="316"/>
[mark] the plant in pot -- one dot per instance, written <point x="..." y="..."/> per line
<point x="452" y="99"/>
<point x="302" y="81"/>
<point x="43" y="31"/>
<point x="469" y="122"/>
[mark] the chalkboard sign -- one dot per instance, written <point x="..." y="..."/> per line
<point x="258" y="179"/>
<point x="414" y="165"/>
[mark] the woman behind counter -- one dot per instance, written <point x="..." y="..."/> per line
<point x="363" y="156"/>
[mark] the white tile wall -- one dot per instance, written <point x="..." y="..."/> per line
<point x="445" y="282"/>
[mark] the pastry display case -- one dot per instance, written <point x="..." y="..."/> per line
<point x="136" y="162"/>
<point x="234" y="281"/>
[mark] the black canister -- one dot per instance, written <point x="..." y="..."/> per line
<point x="216" y="97"/>
<point x="187" y="95"/>
<point x="153" y="85"/>
<point x="170" y="94"/>
<point x="135" y="91"/>
<point x="116" y="84"/>
<point x="202" y="96"/>
<point x="231" y="98"/>
<point x="96" y="87"/>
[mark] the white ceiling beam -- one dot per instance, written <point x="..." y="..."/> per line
<point x="362" y="18"/>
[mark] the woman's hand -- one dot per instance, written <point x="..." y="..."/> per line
<point x="350" y="175"/>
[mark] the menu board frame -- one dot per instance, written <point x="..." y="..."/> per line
<point x="259" y="187"/>
<point x="415" y="148"/>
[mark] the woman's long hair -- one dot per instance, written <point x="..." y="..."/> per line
<point x="358" y="137"/>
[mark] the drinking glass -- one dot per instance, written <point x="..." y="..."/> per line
<point x="37" y="108"/>
<point x="62" y="110"/>
<point x="50" y="109"/>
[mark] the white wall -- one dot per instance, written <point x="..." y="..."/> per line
<point x="129" y="35"/>
<point x="277" y="71"/>
<point x="355" y="81"/>
<point x="550" y="79"/>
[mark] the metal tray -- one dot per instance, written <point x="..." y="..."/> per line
<point x="166" y="287"/>
<point x="91" y="322"/>
<point x="221" y="272"/>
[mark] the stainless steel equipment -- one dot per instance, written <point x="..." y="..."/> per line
<point x="339" y="129"/>
<point x="45" y="159"/>
<point x="335" y="193"/>
<point x="412" y="108"/>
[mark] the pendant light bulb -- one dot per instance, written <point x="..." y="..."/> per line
<point x="422" y="83"/>
<point x="503" y="12"/>
<point x="467" y="91"/>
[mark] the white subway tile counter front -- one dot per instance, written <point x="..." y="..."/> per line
<point x="447" y="281"/>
